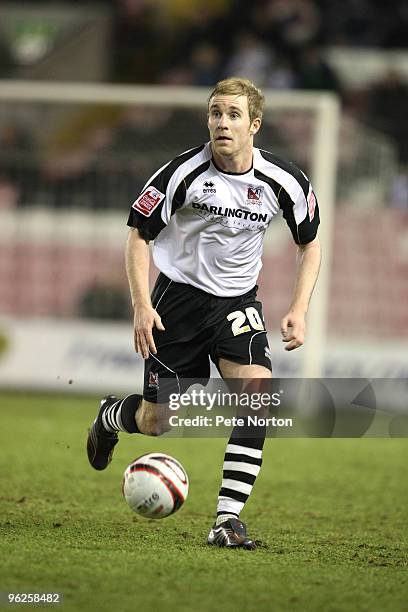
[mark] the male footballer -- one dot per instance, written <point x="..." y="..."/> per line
<point x="207" y="212"/>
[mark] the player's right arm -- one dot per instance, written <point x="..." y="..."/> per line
<point x="161" y="196"/>
<point x="145" y="317"/>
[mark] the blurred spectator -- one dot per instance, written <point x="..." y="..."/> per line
<point x="352" y="22"/>
<point x="9" y="193"/>
<point x="69" y="173"/>
<point x="179" y="74"/>
<point x="387" y="109"/>
<point x="250" y="58"/>
<point x="201" y="66"/>
<point x="397" y="34"/>
<point x="139" y="128"/>
<point x="186" y="13"/>
<point x="399" y="190"/>
<point x="104" y="301"/>
<point x="288" y="25"/>
<point x="135" y="149"/>
<point x="281" y="74"/>
<point x="19" y="161"/>
<point x="315" y="73"/>
<point x="137" y="41"/>
<point x="205" y="64"/>
<point x="6" y="61"/>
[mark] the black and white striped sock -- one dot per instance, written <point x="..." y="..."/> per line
<point x="242" y="463"/>
<point x="120" y="416"/>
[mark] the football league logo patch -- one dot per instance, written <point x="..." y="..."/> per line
<point x="311" y="204"/>
<point x="148" y="200"/>
<point x="254" y="194"/>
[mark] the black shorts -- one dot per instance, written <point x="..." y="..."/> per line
<point x="199" y="327"/>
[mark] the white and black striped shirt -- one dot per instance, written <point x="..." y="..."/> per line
<point x="208" y="225"/>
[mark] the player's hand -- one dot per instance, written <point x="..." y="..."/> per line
<point x="145" y="318"/>
<point x="293" y="328"/>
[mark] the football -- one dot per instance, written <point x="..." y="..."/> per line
<point x="155" y="485"/>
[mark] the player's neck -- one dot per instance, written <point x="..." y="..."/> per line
<point x="239" y="163"/>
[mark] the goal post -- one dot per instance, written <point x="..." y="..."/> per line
<point x="325" y="107"/>
<point x="324" y="173"/>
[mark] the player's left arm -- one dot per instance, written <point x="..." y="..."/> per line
<point x="293" y="324"/>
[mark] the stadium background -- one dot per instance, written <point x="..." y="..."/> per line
<point x="68" y="173"/>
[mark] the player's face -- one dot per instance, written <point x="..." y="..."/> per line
<point x="231" y="130"/>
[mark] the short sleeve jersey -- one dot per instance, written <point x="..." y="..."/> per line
<point x="208" y="225"/>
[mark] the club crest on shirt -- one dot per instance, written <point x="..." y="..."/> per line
<point x="148" y="200"/>
<point x="254" y="194"/>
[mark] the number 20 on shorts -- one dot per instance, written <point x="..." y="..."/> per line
<point x="242" y="322"/>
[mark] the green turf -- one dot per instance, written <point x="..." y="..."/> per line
<point x="332" y="514"/>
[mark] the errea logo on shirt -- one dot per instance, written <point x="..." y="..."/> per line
<point x="148" y="200"/>
<point x="209" y="187"/>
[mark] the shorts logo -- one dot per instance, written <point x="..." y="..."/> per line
<point x="311" y="204"/>
<point x="153" y="380"/>
<point x="254" y="194"/>
<point x="209" y="187"/>
<point x="148" y="200"/>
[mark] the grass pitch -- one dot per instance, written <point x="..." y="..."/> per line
<point x="332" y="514"/>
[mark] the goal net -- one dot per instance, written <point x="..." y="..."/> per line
<point x="74" y="157"/>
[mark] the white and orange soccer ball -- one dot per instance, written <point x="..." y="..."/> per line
<point x="155" y="485"/>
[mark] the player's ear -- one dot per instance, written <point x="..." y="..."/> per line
<point x="256" y="124"/>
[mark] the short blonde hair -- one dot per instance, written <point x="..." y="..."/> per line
<point x="241" y="87"/>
